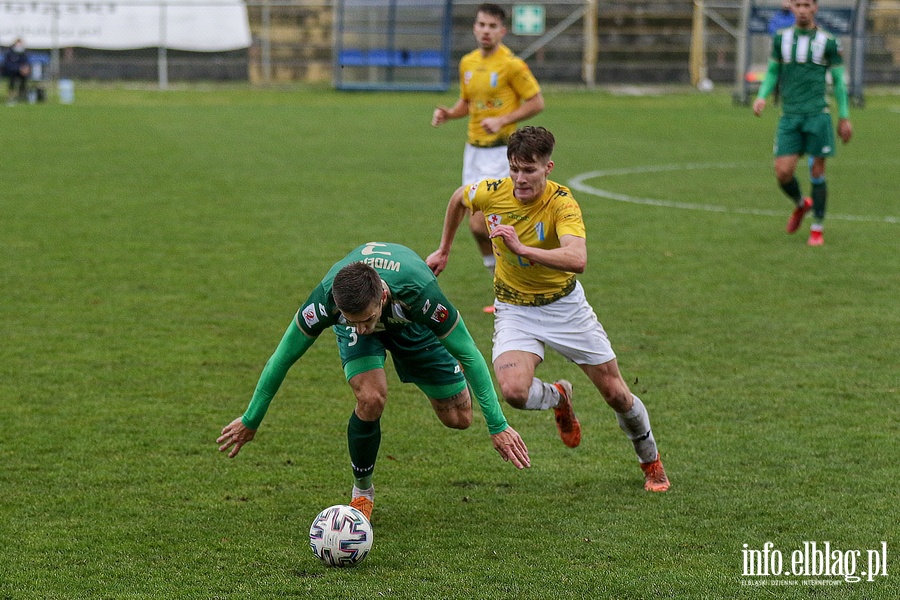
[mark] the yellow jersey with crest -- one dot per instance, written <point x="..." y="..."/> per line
<point x="494" y="86"/>
<point x="539" y="225"/>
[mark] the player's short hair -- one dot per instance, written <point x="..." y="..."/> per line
<point x="495" y="10"/>
<point x="530" y="144"/>
<point x="356" y="287"/>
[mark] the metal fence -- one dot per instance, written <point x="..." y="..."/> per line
<point x="628" y="41"/>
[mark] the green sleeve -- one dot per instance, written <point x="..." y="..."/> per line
<point x="840" y="92"/>
<point x="293" y="345"/>
<point x="461" y="345"/>
<point x="771" y="79"/>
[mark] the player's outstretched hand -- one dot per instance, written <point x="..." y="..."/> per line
<point x="437" y="261"/>
<point x="758" y="105"/>
<point x="234" y="434"/>
<point x="845" y="130"/>
<point x="511" y="447"/>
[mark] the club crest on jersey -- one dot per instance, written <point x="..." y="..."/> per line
<point x="310" y="315"/>
<point x="539" y="230"/>
<point x="493" y="221"/>
<point x="440" y="314"/>
<point x="494" y="79"/>
<point x="472" y="189"/>
<point x="467" y="77"/>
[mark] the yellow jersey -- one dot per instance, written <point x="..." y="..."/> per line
<point x="494" y="86"/>
<point x="539" y="225"/>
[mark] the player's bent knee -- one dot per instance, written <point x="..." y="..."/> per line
<point x="615" y="392"/>
<point x="370" y="405"/>
<point x="457" y="420"/>
<point x="515" y="394"/>
<point x="619" y="398"/>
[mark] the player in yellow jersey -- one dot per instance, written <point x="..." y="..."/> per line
<point x="539" y="241"/>
<point x="497" y="90"/>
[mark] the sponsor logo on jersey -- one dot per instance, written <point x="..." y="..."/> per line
<point x="426" y="307"/>
<point x="440" y="314"/>
<point x="493" y="221"/>
<point x="826" y="149"/>
<point x="493" y="185"/>
<point x="310" y="315"/>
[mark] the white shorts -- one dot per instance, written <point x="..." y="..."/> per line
<point x="567" y="325"/>
<point x="484" y="163"/>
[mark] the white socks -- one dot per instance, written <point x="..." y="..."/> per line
<point x="367" y="493"/>
<point x="636" y="425"/>
<point x="490" y="261"/>
<point x="541" y="396"/>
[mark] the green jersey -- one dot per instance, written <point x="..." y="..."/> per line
<point x="804" y="57"/>
<point x="415" y="301"/>
<point x="414" y="293"/>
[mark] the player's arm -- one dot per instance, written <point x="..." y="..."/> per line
<point x="442" y="114"/>
<point x="767" y="86"/>
<point x="571" y="256"/>
<point x="505" y="439"/>
<point x="845" y="130"/>
<point x="293" y="345"/>
<point x="456" y="212"/>
<point x="526" y="110"/>
<point x="460" y="344"/>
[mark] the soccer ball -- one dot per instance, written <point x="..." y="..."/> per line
<point x="341" y="536"/>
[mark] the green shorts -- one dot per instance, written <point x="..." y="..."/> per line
<point x="418" y="356"/>
<point x="805" y="134"/>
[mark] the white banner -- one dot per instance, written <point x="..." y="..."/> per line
<point x="197" y="25"/>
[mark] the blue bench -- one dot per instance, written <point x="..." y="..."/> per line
<point x="383" y="57"/>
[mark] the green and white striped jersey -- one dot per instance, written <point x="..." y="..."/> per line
<point x="805" y="57"/>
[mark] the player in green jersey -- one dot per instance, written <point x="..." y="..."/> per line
<point x="383" y="297"/>
<point x="801" y="57"/>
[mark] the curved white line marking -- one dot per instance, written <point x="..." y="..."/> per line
<point x="578" y="183"/>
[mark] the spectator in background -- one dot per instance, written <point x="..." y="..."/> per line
<point x="17" y="68"/>
<point x="783" y="18"/>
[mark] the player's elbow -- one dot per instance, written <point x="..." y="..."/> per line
<point x="579" y="264"/>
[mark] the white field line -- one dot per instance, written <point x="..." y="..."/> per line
<point x="578" y="183"/>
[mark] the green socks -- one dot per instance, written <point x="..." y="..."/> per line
<point x="819" y="196"/>
<point x="792" y="190"/>
<point x="363" y="439"/>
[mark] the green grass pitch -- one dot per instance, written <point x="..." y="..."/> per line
<point x="156" y="244"/>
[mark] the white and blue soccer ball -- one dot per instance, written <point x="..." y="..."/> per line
<point x="341" y="536"/>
